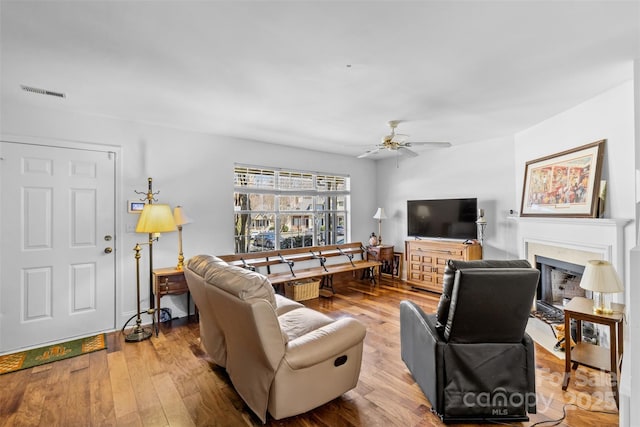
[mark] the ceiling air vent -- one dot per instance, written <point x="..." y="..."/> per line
<point x="43" y="91"/>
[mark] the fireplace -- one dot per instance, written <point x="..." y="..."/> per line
<point x="559" y="281"/>
<point x="572" y="241"/>
<point x="565" y="245"/>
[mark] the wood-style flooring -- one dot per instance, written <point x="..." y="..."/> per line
<point x="168" y="380"/>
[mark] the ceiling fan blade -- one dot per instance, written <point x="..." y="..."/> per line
<point x="432" y="144"/>
<point x="407" y="152"/>
<point x="368" y="153"/>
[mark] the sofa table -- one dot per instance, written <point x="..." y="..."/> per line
<point x="583" y="353"/>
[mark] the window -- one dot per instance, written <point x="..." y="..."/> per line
<point x="277" y="208"/>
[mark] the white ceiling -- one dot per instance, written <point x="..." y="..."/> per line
<point x="321" y="75"/>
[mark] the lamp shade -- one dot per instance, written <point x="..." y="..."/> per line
<point x="600" y="276"/>
<point x="380" y="214"/>
<point x="156" y="219"/>
<point x="180" y="217"/>
<point x="481" y="218"/>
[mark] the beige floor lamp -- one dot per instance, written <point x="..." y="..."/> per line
<point x="154" y="219"/>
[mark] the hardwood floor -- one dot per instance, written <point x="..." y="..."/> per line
<point x="168" y="381"/>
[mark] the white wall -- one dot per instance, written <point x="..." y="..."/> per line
<point x="630" y="386"/>
<point x="191" y="169"/>
<point x="482" y="169"/>
<point x="609" y="116"/>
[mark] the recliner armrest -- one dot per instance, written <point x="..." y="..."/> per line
<point x="421" y="349"/>
<point x="324" y="343"/>
<point x="531" y="372"/>
<point x="285" y="305"/>
<point x="411" y="310"/>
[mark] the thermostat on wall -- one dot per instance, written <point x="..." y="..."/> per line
<point x="135" y="206"/>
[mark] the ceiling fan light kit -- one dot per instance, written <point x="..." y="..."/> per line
<point x="398" y="143"/>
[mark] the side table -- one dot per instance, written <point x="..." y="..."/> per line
<point x="169" y="281"/>
<point x="384" y="254"/>
<point x="583" y="353"/>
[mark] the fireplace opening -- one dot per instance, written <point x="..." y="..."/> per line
<point x="560" y="282"/>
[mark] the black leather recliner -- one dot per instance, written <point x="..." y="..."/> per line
<point x="473" y="359"/>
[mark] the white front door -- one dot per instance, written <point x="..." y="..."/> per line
<point x="57" y="222"/>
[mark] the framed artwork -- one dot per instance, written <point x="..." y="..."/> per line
<point x="394" y="270"/>
<point x="565" y="184"/>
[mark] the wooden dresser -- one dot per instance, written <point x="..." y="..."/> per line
<point x="426" y="260"/>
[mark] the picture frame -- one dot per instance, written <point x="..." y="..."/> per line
<point x="565" y="184"/>
<point x="394" y="270"/>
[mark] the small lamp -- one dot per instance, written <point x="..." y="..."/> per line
<point x="481" y="222"/>
<point x="180" y="219"/>
<point x="153" y="219"/>
<point x="601" y="278"/>
<point x="379" y="215"/>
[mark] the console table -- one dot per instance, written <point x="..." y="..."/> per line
<point x="583" y="353"/>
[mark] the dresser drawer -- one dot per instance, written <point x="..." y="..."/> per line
<point x="422" y="257"/>
<point x="422" y="277"/>
<point x="171" y="284"/>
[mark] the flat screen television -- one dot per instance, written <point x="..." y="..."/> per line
<point x="442" y="218"/>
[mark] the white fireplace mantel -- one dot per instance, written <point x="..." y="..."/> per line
<point x="601" y="238"/>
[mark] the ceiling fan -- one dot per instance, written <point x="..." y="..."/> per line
<point x="398" y="142"/>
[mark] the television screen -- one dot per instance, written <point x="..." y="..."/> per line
<point x="442" y="218"/>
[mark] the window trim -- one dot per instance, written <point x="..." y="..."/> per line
<point x="315" y="193"/>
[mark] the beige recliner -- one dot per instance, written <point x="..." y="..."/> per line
<point x="281" y="357"/>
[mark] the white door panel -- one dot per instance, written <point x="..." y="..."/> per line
<point x="56" y="280"/>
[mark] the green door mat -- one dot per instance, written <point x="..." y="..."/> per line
<point x="51" y="353"/>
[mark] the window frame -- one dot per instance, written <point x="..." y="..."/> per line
<point x="281" y="183"/>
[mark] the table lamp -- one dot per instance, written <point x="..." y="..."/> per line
<point x="601" y="278"/>
<point x="154" y="219"/>
<point x="481" y="223"/>
<point x="180" y="219"/>
<point x="379" y="215"/>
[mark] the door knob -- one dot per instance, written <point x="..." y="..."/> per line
<point x="108" y="250"/>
